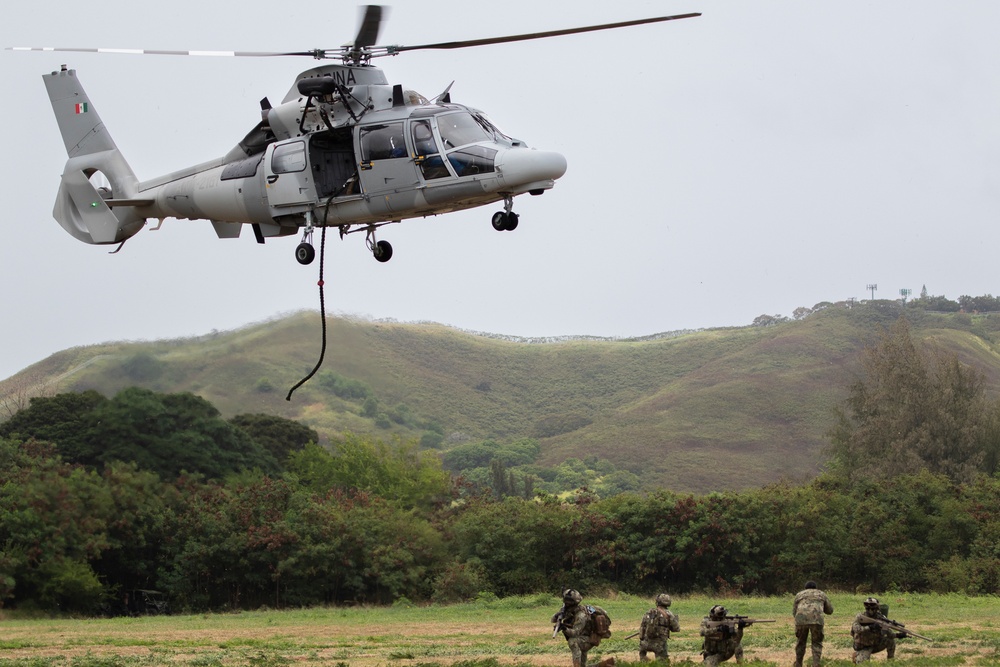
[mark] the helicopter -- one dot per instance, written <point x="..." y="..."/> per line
<point x="344" y="148"/>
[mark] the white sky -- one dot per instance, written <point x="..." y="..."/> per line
<point x="765" y="156"/>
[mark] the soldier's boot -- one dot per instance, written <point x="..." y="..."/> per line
<point x="643" y="657"/>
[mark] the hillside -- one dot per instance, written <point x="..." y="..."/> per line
<point x="695" y="411"/>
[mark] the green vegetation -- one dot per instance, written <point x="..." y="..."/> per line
<point x="374" y="522"/>
<point x="694" y="412"/>
<point x="489" y="632"/>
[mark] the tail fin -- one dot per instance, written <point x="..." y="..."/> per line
<point x="81" y="208"/>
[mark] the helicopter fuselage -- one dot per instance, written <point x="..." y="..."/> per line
<point x="343" y="149"/>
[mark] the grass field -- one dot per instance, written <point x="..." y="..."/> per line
<point x="512" y="631"/>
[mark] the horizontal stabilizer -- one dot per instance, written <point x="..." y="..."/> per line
<point x="129" y="202"/>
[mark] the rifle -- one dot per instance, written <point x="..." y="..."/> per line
<point x="559" y="621"/>
<point x="735" y="619"/>
<point x="634" y="634"/>
<point x="894" y="626"/>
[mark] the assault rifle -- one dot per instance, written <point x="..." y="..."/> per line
<point x="736" y="619"/>
<point x="636" y="634"/>
<point x="891" y="625"/>
<point x="559" y="621"/>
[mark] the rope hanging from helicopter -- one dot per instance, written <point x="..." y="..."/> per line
<point x="322" y="302"/>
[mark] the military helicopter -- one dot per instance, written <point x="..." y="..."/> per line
<point x="343" y="149"/>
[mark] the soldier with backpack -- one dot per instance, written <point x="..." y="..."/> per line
<point x="655" y="629"/>
<point x="584" y="626"/>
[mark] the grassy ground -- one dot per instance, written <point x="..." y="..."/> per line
<point x="513" y="631"/>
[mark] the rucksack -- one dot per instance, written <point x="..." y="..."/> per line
<point x="600" y="621"/>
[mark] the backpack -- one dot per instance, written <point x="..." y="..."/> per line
<point x="600" y="622"/>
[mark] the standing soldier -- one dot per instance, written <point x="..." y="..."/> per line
<point x="722" y="640"/>
<point x="808" y="609"/>
<point x="575" y="622"/>
<point x="655" y="629"/>
<point x="871" y="636"/>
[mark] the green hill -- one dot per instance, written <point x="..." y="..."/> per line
<point x="693" y="411"/>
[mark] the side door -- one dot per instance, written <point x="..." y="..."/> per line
<point x="289" y="184"/>
<point x="388" y="173"/>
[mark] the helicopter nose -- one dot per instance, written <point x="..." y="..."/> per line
<point x="527" y="166"/>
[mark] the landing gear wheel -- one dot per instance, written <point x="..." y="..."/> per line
<point x="499" y="221"/>
<point x="512" y="219"/>
<point x="383" y="251"/>
<point x="305" y="253"/>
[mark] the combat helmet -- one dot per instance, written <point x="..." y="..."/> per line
<point x="663" y="600"/>
<point x="871" y="602"/>
<point x="572" y="596"/>
<point x="717" y="612"/>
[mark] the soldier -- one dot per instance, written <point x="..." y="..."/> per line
<point x="574" y="621"/>
<point x="808" y="609"/>
<point x="872" y="637"/>
<point x="721" y="642"/>
<point x="655" y="629"/>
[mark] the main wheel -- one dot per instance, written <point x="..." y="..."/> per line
<point x="499" y="221"/>
<point x="512" y="219"/>
<point x="383" y="251"/>
<point x="305" y="253"/>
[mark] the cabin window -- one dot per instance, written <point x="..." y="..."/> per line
<point x="382" y="142"/>
<point x="289" y="158"/>
<point x="472" y="160"/>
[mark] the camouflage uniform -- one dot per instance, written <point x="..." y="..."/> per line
<point x="808" y="609"/>
<point x="721" y="642"/>
<point x="870" y="637"/>
<point x="655" y="629"/>
<point x="576" y="626"/>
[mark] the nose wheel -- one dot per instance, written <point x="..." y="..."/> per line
<point x="505" y="220"/>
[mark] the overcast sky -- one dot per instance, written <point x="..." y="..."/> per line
<point x="765" y="156"/>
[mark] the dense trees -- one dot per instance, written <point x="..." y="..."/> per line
<point x="72" y="537"/>
<point x="143" y="490"/>
<point x="914" y="409"/>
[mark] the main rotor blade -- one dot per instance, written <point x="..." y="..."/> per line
<point x="538" y="35"/>
<point x="156" y="52"/>
<point x="370" y="26"/>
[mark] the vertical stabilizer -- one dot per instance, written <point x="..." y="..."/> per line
<point x="81" y="206"/>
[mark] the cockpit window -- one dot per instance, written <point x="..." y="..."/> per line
<point x="423" y="138"/>
<point x="460" y="129"/>
<point x="427" y="153"/>
<point x="472" y="160"/>
<point x="382" y="142"/>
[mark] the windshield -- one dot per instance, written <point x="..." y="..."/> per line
<point x="460" y="129"/>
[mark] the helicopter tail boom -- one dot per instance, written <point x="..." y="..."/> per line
<point x="96" y="200"/>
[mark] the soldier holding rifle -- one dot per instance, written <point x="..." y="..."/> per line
<point x="873" y="632"/>
<point x="723" y="635"/>
<point x="655" y="629"/>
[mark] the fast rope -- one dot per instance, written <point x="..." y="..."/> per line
<point x="322" y="314"/>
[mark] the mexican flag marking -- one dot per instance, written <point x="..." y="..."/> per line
<point x="82" y="107"/>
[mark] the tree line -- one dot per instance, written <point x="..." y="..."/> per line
<point x="99" y="496"/>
